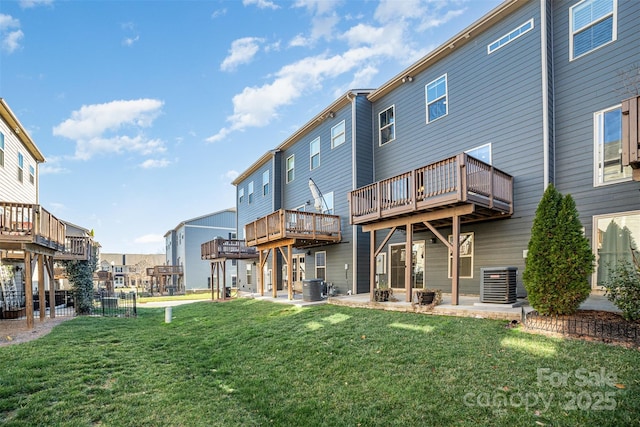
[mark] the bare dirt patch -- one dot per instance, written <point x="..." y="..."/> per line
<point x="16" y="332"/>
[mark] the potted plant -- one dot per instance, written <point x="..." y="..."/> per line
<point x="382" y="294"/>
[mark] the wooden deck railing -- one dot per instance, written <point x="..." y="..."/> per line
<point x="30" y="223"/>
<point x="456" y="180"/>
<point x="75" y="248"/>
<point x="227" y="248"/>
<point x="164" y="270"/>
<point x="289" y="224"/>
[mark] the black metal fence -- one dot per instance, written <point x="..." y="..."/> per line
<point x="600" y="328"/>
<point x="116" y="304"/>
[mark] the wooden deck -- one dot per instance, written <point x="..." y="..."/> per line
<point x="23" y="225"/>
<point x="458" y="180"/>
<point x="303" y="229"/>
<point x="75" y="248"/>
<point x="227" y="248"/>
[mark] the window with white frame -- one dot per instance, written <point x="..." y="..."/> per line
<point x="1" y="149"/>
<point x="466" y="256"/>
<point x="387" y="125"/>
<point x="482" y="152"/>
<point x="240" y="195"/>
<point x="20" y="167"/>
<point x="265" y="183"/>
<point x="607" y="127"/>
<point x="291" y="171"/>
<point x="508" y="38"/>
<point x="314" y="153"/>
<point x="338" y="134"/>
<point x="250" y="192"/>
<point x="615" y="236"/>
<point x="321" y="265"/>
<point x="32" y="174"/>
<point x="593" y="24"/>
<point x="436" y="93"/>
<point x="328" y="203"/>
<point x="249" y="274"/>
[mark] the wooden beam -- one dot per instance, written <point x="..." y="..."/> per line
<point x="52" y="287"/>
<point x="42" y="300"/>
<point x="274" y="267"/>
<point x="408" y="261"/>
<point x="372" y="264"/>
<point x="290" y="271"/>
<point x="28" y="288"/>
<point x="455" y="261"/>
<point x="420" y="218"/>
<point x="438" y="235"/>
<point x="384" y="242"/>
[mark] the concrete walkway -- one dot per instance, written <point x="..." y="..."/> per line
<point x="468" y="305"/>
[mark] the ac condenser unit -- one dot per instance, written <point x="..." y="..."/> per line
<point x="498" y="285"/>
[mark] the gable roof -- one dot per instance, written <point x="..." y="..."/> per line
<point x="17" y="128"/>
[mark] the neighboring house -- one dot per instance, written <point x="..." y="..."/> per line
<point x="30" y="236"/>
<point x="183" y="249"/>
<point x="129" y="270"/>
<point x="78" y="245"/>
<point x="453" y="154"/>
<point x="308" y="230"/>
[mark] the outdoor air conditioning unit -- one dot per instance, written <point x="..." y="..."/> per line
<point x="498" y="285"/>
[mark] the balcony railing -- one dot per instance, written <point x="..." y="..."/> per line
<point x="227" y="248"/>
<point x="164" y="270"/>
<point x="307" y="228"/>
<point x="457" y="180"/>
<point x="75" y="248"/>
<point x="22" y="223"/>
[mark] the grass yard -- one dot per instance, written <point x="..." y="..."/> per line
<point x="253" y="363"/>
<point x="194" y="296"/>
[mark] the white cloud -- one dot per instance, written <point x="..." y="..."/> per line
<point x="155" y="163"/>
<point x="52" y="166"/>
<point x="370" y="46"/>
<point x="262" y="4"/>
<point x="242" y="52"/>
<point x="10" y="33"/>
<point x="129" y="41"/>
<point x="231" y="175"/>
<point x="26" y="4"/>
<point x="149" y="238"/>
<point x="102" y="128"/>
<point x="218" y="12"/>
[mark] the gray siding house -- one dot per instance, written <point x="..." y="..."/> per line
<point x="183" y="245"/>
<point x="449" y="159"/>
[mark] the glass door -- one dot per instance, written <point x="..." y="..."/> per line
<point x="397" y="265"/>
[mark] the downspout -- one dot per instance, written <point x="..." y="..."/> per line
<point x="354" y="182"/>
<point x="545" y="92"/>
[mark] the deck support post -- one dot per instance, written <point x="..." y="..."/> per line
<point x="455" y="261"/>
<point x="28" y="288"/>
<point x="42" y="301"/>
<point x="408" y="261"/>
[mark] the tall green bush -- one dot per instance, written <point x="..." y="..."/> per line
<point x="559" y="260"/>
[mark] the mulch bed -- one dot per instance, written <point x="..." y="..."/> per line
<point x="590" y="325"/>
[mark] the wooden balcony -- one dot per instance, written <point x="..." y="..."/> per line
<point x="452" y="182"/>
<point x="227" y="248"/>
<point x="75" y="248"/>
<point x="23" y="225"/>
<point x="164" y="270"/>
<point x="302" y="229"/>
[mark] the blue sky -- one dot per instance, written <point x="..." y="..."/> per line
<point x="147" y="110"/>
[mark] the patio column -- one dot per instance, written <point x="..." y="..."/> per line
<point x="372" y="264"/>
<point x="455" y="260"/>
<point x="42" y="301"/>
<point x="28" y="288"/>
<point x="408" y="261"/>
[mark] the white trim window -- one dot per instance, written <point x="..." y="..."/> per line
<point x="32" y="174"/>
<point x="265" y="183"/>
<point x="328" y="203"/>
<point x="321" y="265"/>
<point x="314" y="154"/>
<point x="387" y="125"/>
<point x="614" y="237"/>
<point x="240" y="195"/>
<point x="482" y="152"/>
<point x="467" y="241"/>
<point x="20" y="167"/>
<point x="338" y="136"/>
<point x="593" y="24"/>
<point x="1" y="149"/>
<point x="250" y="193"/>
<point x="436" y="94"/>
<point x="508" y="38"/>
<point x="607" y="136"/>
<point x="291" y="168"/>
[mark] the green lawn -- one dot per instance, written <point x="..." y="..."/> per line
<point x="201" y="295"/>
<point x="254" y="363"/>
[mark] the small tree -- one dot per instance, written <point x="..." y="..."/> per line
<point x="623" y="288"/>
<point x="559" y="259"/>
<point x="81" y="277"/>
